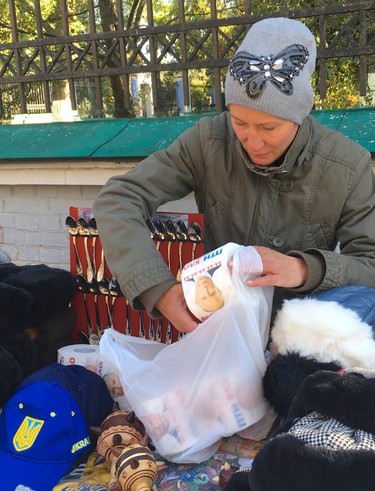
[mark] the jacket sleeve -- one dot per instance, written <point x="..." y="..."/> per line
<point x="354" y="264"/>
<point x="126" y="201"/>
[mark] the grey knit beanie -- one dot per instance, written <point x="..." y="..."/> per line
<point x="271" y="70"/>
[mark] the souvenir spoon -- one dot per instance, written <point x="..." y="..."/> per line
<point x="103" y="285"/>
<point x="72" y="228"/>
<point x="182" y="236"/>
<point x="114" y="292"/>
<point x="159" y="233"/>
<point x="94" y="234"/>
<point x="170" y="235"/>
<point x="83" y="230"/>
<point x="84" y="288"/>
<point x="195" y="236"/>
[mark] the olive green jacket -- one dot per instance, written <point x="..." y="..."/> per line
<point x="322" y="196"/>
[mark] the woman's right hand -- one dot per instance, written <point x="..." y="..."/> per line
<point x="173" y="306"/>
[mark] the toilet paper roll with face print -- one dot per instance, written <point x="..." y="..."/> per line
<point x="207" y="282"/>
<point x="86" y="355"/>
<point x="112" y="378"/>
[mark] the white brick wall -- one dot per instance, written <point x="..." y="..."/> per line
<point x="32" y="221"/>
<point x="32" y="216"/>
<point x="34" y="202"/>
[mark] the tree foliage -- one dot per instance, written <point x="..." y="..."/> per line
<point x="342" y="74"/>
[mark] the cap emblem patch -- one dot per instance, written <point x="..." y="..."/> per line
<point x="27" y="433"/>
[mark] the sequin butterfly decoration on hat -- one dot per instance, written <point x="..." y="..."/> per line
<point x="255" y="71"/>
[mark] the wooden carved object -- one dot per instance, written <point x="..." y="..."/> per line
<point x="136" y="469"/>
<point x="119" y="432"/>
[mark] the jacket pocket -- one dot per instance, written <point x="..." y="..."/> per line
<point x="318" y="237"/>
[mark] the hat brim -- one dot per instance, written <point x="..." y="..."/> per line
<point x="33" y="475"/>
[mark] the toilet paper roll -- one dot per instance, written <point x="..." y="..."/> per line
<point x="86" y="355"/>
<point x="207" y="282"/>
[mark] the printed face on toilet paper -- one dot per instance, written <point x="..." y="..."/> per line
<point x="207" y="282"/>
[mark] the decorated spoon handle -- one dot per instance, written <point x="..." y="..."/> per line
<point x="79" y="268"/>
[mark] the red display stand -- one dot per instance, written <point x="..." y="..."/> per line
<point x="99" y="303"/>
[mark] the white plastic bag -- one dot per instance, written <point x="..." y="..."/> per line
<point x="206" y="386"/>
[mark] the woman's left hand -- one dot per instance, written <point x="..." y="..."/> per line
<point x="279" y="270"/>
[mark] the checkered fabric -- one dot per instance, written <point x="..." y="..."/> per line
<point x="318" y="430"/>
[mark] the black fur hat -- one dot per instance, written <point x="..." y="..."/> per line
<point x="348" y="397"/>
<point x="288" y="463"/>
<point x="284" y="376"/>
<point x="11" y="373"/>
<point x="35" y="319"/>
<point x="15" y="310"/>
<point x="51" y="288"/>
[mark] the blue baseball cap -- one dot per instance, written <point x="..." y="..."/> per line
<point x="88" y="389"/>
<point x="44" y="426"/>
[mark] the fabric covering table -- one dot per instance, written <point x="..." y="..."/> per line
<point x="187" y="477"/>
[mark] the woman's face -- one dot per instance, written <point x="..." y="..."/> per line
<point x="207" y="295"/>
<point x="264" y="137"/>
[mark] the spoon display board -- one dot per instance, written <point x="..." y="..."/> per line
<point x="99" y="302"/>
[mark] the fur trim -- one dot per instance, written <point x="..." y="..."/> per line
<point x="11" y="372"/>
<point x="325" y="331"/>
<point x="15" y="310"/>
<point x="287" y="464"/>
<point x="348" y="398"/>
<point x="284" y="376"/>
<point x="51" y="288"/>
<point x="54" y="333"/>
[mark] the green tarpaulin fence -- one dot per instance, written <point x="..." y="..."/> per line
<point x="123" y="138"/>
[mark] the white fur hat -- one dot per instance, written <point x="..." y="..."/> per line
<point x="325" y="331"/>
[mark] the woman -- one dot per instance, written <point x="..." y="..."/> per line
<point x="265" y="173"/>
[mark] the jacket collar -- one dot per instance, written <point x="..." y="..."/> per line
<point x="294" y="156"/>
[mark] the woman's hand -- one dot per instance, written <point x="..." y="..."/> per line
<point x="279" y="270"/>
<point x="173" y="306"/>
